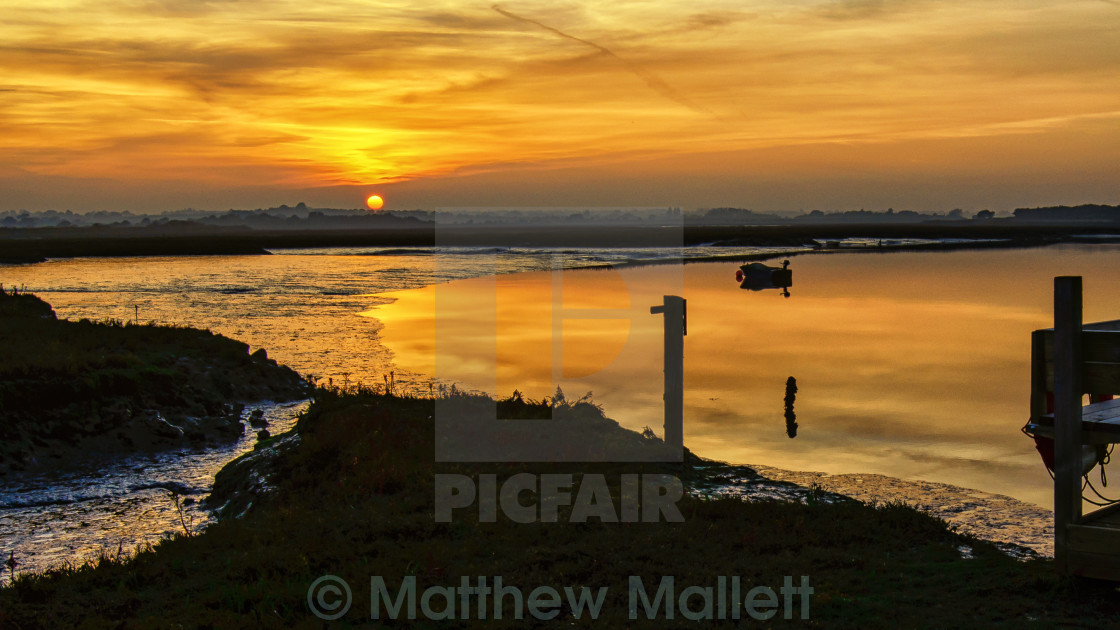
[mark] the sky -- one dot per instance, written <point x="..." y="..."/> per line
<point x="784" y="106"/>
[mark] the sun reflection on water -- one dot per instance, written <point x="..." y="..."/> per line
<point x="912" y="365"/>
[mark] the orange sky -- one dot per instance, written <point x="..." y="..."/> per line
<point x="151" y="105"/>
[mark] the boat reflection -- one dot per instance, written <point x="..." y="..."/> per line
<point x="918" y="374"/>
<point x="756" y="276"/>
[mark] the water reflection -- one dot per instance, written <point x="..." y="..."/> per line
<point x="918" y="363"/>
<point x="791" y="417"/>
<point x="756" y="276"/>
<point x="106" y="504"/>
<point x="921" y="374"/>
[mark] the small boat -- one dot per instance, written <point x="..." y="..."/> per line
<point x="757" y="276"/>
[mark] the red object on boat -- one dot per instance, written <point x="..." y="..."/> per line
<point x="1044" y="444"/>
<point x="1045" y="448"/>
<point x="738" y="275"/>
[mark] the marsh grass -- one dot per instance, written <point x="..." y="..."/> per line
<point x="61" y="381"/>
<point x="49" y="361"/>
<point x="355" y="499"/>
<point x="177" y="501"/>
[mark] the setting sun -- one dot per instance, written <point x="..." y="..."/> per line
<point x="829" y="104"/>
<point x="375" y="202"/>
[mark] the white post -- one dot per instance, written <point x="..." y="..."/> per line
<point x="675" y="313"/>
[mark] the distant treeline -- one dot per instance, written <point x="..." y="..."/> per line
<point x="302" y="218"/>
<point x="298" y="217"/>
<point x="1064" y="214"/>
<point x="740" y="216"/>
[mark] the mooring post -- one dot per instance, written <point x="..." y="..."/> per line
<point x="1067" y="412"/>
<point x="675" y="314"/>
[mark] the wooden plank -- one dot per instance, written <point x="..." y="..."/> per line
<point x="1093" y="549"/>
<point x="1101" y="417"/>
<point x="1096" y="378"/>
<point x="1106" y="411"/>
<point x="1093" y="565"/>
<point x="1103" y="411"/>
<point x="1109" y="515"/>
<point x="1100" y="378"/>
<point x="1103" y="541"/>
<point x="1039" y="385"/>
<point x="1105" y="517"/>
<point x="1100" y="353"/>
<point x="1102" y="346"/>
<point x="1090" y="433"/>
<point x="1067" y="413"/>
<point x="1113" y="324"/>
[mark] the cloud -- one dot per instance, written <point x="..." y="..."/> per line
<point x="359" y="92"/>
<point x="656" y="83"/>
<point x="868" y="9"/>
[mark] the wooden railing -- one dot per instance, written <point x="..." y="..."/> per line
<point x="1068" y="361"/>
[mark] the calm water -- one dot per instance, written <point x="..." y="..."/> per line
<point x="909" y="366"/>
<point x="912" y="365"/>
<point x="303" y="306"/>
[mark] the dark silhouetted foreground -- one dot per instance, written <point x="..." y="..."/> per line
<point x="350" y="494"/>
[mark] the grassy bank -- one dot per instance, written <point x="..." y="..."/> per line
<point x="350" y="494"/>
<point x="68" y="387"/>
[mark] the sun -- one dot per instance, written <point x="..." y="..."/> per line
<point x="375" y="202"/>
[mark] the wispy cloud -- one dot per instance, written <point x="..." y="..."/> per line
<point x="656" y="83"/>
<point x="298" y="93"/>
<point x="868" y="9"/>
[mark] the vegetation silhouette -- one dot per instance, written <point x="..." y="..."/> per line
<point x="68" y="387"/>
<point x="349" y="493"/>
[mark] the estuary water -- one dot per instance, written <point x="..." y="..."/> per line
<point x="303" y="306"/>
<point x="912" y="368"/>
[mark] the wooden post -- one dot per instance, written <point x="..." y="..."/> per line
<point x="1067" y="412"/>
<point x="1039" y="387"/>
<point x="675" y="312"/>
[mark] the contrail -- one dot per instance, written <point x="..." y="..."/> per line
<point x="653" y="81"/>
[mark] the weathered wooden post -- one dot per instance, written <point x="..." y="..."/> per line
<point x="675" y="313"/>
<point x="1070" y="360"/>
<point x="1067" y="412"/>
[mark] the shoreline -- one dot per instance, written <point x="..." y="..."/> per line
<point x="346" y="507"/>
<point x="1019" y="528"/>
<point x="102" y="503"/>
<point x="888" y="249"/>
<point x="112" y="387"/>
<point x="32" y="245"/>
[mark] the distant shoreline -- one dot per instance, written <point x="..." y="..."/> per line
<point x="31" y="245"/>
